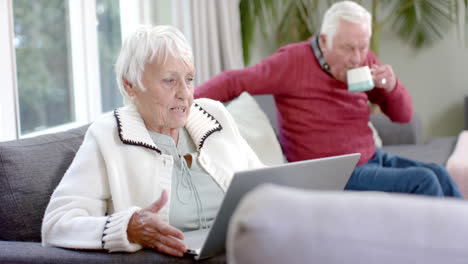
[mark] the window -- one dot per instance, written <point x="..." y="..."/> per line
<point x="42" y="47"/>
<point x="62" y="53"/>
<point x="109" y="42"/>
<point x="58" y="58"/>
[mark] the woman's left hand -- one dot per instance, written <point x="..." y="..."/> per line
<point x="147" y="229"/>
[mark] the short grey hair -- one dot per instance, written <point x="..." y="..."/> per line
<point x="346" y="10"/>
<point x="145" y="44"/>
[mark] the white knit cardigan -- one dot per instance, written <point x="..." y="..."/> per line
<point x="118" y="170"/>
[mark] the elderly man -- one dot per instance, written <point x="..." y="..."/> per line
<point x="319" y="117"/>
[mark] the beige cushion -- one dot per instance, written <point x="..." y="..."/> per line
<point x="256" y="129"/>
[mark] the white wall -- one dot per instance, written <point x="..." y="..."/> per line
<point x="437" y="79"/>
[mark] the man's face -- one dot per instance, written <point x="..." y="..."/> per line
<point x="349" y="48"/>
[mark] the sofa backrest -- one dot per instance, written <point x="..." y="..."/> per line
<point x="395" y="133"/>
<point x="30" y="169"/>
<point x="267" y="104"/>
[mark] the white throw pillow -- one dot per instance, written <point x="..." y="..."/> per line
<point x="375" y="135"/>
<point x="256" y="129"/>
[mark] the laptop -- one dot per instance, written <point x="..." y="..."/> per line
<point x="331" y="173"/>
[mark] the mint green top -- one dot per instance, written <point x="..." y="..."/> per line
<point x="195" y="195"/>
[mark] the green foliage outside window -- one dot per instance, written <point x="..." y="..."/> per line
<point x="110" y="40"/>
<point x="42" y="61"/>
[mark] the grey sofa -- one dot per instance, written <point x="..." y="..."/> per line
<point x="31" y="168"/>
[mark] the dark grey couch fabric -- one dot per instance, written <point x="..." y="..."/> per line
<point x="437" y="150"/>
<point x="29" y="171"/>
<point x="405" y="140"/>
<point x="30" y="252"/>
<point x="395" y="133"/>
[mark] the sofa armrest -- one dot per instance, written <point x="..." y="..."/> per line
<point x="397" y="134"/>
<point x="346" y="227"/>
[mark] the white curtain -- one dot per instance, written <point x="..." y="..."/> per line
<point x="134" y="13"/>
<point x="214" y="32"/>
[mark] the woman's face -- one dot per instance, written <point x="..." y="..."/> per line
<point x="165" y="104"/>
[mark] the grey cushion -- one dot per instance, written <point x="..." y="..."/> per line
<point x="267" y="104"/>
<point x="30" y="169"/>
<point x="396" y="134"/>
<point x="275" y="224"/>
<point x="30" y="252"/>
<point x="437" y="150"/>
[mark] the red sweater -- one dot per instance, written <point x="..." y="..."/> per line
<point x="317" y="115"/>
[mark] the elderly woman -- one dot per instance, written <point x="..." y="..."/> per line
<point x="154" y="168"/>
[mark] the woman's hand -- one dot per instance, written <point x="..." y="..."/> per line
<point x="147" y="229"/>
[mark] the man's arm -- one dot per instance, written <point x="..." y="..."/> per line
<point x="265" y="77"/>
<point x="396" y="104"/>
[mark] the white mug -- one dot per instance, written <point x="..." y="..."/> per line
<point x="360" y="79"/>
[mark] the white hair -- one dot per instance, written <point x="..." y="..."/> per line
<point x="346" y="10"/>
<point x="145" y="44"/>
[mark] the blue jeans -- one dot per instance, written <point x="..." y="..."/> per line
<point x="390" y="173"/>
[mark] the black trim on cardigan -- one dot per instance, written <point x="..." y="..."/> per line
<point x="148" y="146"/>
<point x="103" y="231"/>
<point x="131" y="142"/>
<point x="211" y="131"/>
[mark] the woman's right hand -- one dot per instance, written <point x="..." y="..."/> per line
<point x="147" y="229"/>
